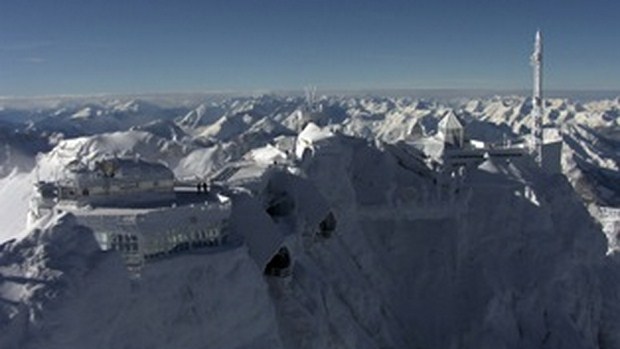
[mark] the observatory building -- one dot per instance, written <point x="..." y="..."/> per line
<point x="110" y="181"/>
<point x="134" y="207"/>
<point x="451" y="130"/>
<point x="452" y="148"/>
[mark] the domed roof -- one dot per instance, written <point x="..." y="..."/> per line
<point x="121" y="170"/>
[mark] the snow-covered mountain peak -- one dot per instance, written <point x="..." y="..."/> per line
<point x="388" y="246"/>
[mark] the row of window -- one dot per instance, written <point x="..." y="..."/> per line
<point x="170" y="242"/>
<point x="73" y="192"/>
<point x="127" y="243"/>
<point x="172" y="239"/>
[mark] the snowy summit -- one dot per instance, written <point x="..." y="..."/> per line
<point x="332" y="222"/>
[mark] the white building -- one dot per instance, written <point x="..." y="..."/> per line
<point x="143" y="234"/>
<point x="451" y="148"/>
<point x="416" y="131"/>
<point x="310" y="139"/>
<point x="133" y="207"/>
<point x="451" y="130"/>
<point x="112" y="181"/>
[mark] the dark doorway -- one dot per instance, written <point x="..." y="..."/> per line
<point x="280" y="264"/>
<point x="327" y="226"/>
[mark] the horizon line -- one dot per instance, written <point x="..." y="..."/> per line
<point x="551" y="93"/>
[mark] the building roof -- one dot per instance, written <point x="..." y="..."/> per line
<point x="267" y="155"/>
<point x="416" y="131"/>
<point x="492" y="172"/>
<point x="119" y="170"/>
<point x="312" y="133"/>
<point x="432" y="146"/>
<point x="450" y="122"/>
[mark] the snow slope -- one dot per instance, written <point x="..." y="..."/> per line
<point x="15" y="192"/>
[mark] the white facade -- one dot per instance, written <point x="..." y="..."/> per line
<point x="132" y="207"/>
<point x="141" y="235"/>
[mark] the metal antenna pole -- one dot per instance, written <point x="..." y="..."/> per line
<point x="537" y="99"/>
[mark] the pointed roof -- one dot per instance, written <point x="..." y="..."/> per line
<point x="416" y="130"/>
<point x="450" y="121"/>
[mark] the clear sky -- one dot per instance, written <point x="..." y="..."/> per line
<point x="50" y="47"/>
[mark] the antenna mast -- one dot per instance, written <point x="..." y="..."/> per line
<point x="311" y="98"/>
<point x="537" y="100"/>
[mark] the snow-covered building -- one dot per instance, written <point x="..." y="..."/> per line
<point x="144" y="234"/>
<point x="133" y="207"/>
<point x="451" y="130"/>
<point x="262" y="237"/>
<point x="416" y="131"/>
<point x="250" y="175"/>
<point x="310" y="139"/>
<point x="275" y="211"/>
<point x="451" y="148"/>
<point x="44" y="199"/>
<point x="108" y="182"/>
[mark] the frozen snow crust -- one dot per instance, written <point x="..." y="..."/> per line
<point x="516" y="261"/>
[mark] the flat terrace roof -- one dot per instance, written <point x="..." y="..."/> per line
<point x="480" y="152"/>
<point x="184" y="196"/>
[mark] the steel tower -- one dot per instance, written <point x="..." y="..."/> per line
<point x="537" y="100"/>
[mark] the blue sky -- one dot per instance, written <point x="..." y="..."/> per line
<point x="144" y="46"/>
